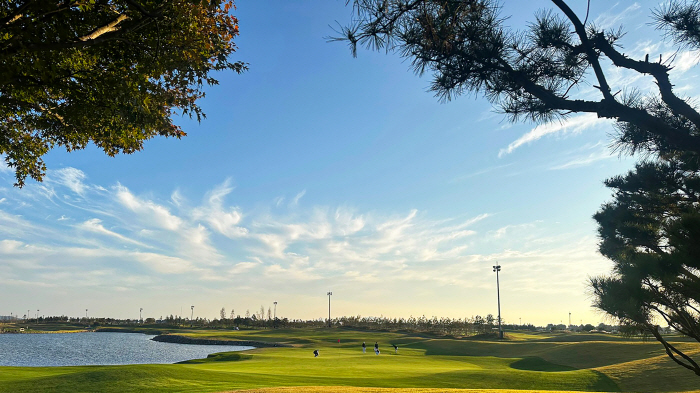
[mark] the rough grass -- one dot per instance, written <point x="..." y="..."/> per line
<point x="525" y="362"/>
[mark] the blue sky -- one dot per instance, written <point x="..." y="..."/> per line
<point x="317" y="171"/>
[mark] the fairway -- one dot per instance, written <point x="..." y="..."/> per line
<point x="527" y="362"/>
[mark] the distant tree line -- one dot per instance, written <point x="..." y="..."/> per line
<point x="264" y="319"/>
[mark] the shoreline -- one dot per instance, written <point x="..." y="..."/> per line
<point x="177" y="339"/>
<point x="48" y="331"/>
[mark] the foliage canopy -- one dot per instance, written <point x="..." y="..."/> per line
<point x="110" y="72"/>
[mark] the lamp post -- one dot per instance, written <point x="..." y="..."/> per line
<point x="275" y="303"/>
<point x="140" y="317"/>
<point x="569" y="319"/>
<point x="497" y="269"/>
<point x="329" y="308"/>
<point x="191" y="315"/>
<point x="86" y="314"/>
<point x="37" y="316"/>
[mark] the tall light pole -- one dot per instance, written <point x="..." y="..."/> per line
<point x="27" y="318"/>
<point x="37" y="316"/>
<point x="497" y="269"/>
<point x="191" y="315"/>
<point x="275" y="303"/>
<point x="86" y="314"/>
<point x="140" y="317"/>
<point x="329" y="308"/>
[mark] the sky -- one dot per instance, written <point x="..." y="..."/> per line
<point x="315" y="171"/>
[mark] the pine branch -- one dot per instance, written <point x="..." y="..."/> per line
<point x="590" y="52"/>
<point x="658" y="71"/>
<point x="672" y="351"/>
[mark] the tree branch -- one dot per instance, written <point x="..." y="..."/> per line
<point x="103" y="36"/>
<point x="657" y="70"/>
<point x="613" y="110"/>
<point x="590" y="52"/>
<point x="108" y="28"/>
<point x="16" y="14"/>
<point x="671" y="351"/>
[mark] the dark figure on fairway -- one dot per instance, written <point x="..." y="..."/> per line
<point x="396" y="349"/>
<point x="376" y="348"/>
<point x="315" y="353"/>
<point x="364" y="347"/>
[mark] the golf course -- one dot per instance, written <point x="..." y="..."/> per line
<point x="522" y="362"/>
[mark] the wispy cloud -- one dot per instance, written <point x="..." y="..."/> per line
<point x="480" y="172"/>
<point x="71" y="178"/>
<point x="614" y="16"/>
<point x="572" y="124"/>
<point x="295" y="200"/>
<point x="585" y="156"/>
<point x="223" y="220"/>
<point x="685" y="60"/>
<point x="95" y="225"/>
<point x="147" y="211"/>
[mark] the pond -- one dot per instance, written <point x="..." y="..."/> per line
<point x="81" y="349"/>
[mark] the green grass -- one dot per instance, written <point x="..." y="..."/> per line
<point x="526" y="362"/>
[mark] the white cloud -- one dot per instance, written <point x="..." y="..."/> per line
<point x="223" y="220"/>
<point x="295" y="200"/>
<point x="4" y="168"/>
<point x="686" y="60"/>
<point x="613" y="17"/>
<point x="10" y="246"/>
<point x="294" y="273"/>
<point x="585" y="160"/>
<point x="480" y="172"/>
<point x="69" y="177"/>
<point x="347" y="223"/>
<point x="95" y="225"/>
<point x="502" y="231"/>
<point x="163" y="263"/>
<point x="148" y="211"/>
<point x="196" y="245"/>
<point x="573" y="124"/>
<point x="176" y="198"/>
<point x="242" y="267"/>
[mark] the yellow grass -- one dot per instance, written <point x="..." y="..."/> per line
<point x="638" y="375"/>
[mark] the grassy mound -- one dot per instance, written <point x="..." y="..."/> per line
<point x="527" y="362"/>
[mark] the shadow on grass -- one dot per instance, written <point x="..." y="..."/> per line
<point x="220" y="357"/>
<point x="576" y="380"/>
<point x="534" y="363"/>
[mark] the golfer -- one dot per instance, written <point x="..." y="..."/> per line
<point x="376" y="348"/>
<point x="315" y="353"/>
<point x="364" y="347"/>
